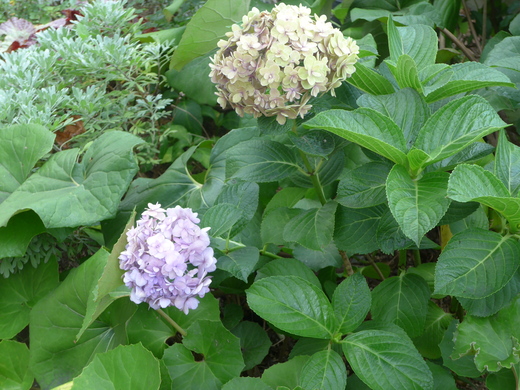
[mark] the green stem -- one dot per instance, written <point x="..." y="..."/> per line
<point x="416" y="257"/>
<point x="402" y="259"/>
<point x="516" y="377"/>
<point x="172" y="322"/>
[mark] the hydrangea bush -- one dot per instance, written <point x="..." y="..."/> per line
<point x="276" y="61"/>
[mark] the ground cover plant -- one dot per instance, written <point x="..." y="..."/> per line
<point x="289" y="196"/>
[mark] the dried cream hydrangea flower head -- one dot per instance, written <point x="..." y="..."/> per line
<point x="276" y="61"/>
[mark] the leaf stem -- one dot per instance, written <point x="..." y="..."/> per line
<point x="377" y="269"/>
<point x="402" y="259"/>
<point x="172" y="322"/>
<point x="346" y="263"/>
<point x="416" y="257"/>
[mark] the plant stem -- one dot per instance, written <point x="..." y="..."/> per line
<point x="461" y="46"/>
<point x="416" y="257"/>
<point x="346" y="263"/>
<point x="172" y="322"/>
<point x="378" y="270"/>
<point x="402" y="259"/>
<point x="471" y="26"/>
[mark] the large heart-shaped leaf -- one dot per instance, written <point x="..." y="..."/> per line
<point x="68" y="193"/>
<point x="417" y="204"/>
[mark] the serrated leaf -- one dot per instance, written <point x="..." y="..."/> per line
<point x="254" y="342"/>
<point x="111" y="370"/>
<point x="473" y="183"/>
<point x="221" y="218"/>
<point x="417" y="41"/>
<point x="368" y="80"/>
<point x="317" y="260"/>
<point x="456" y="125"/>
<point x="21" y="291"/>
<point x="314" y="143"/>
<point x="293" y="305"/>
<point x="240" y="263"/>
<point x="466" y="77"/>
<point x="385" y="360"/>
<point x="351" y="302"/>
<point x="356" y="229"/>
<point x="417" y="205"/>
<point x="222" y="357"/>
<point x="507" y="164"/>
<point x="285" y="374"/>
<point x="244" y="196"/>
<point x="205" y="28"/>
<point x="367" y="128"/>
<point x="21" y="146"/>
<point x="402" y="300"/>
<point x="273" y="225"/>
<point x="437" y="321"/>
<point x="405" y="107"/>
<point x="485" y="307"/>
<point x="312" y="228"/>
<point x="363" y="186"/>
<point x="471" y="153"/>
<point x="473" y="256"/>
<point x="324" y="370"/>
<point x="65" y="193"/>
<point x="286" y="197"/>
<point x="493" y="340"/>
<point x="260" y="160"/>
<point x="14" y="369"/>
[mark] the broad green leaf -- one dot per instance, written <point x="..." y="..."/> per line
<point x="273" y="225"/>
<point x="221" y="218"/>
<point x="485" y="307"/>
<point x="405" y="107"/>
<point x="492" y="340"/>
<point x="449" y="12"/>
<point x="261" y="161"/>
<point x="21" y="146"/>
<point x="312" y="228"/>
<point x="505" y="54"/>
<point x="314" y="143"/>
<point x="294" y="305"/>
<point x="14" y="367"/>
<point x="327" y="171"/>
<point x="369" y="81"/>
<point x="21" y="291"/>
<point x="464" y="366"/>
<point x="363" y="186"/>
<point x="172" y="188"/>
<point x="206" y="27"/>
<point x="385" y="360"/>
<point x="324" y="370"/>
<point x="456" y="125"/>
<point x="417" y="159"/>
<point x="471" y="154"/>
<point x="65" y="193"/>
<point x="418" y="41"/>
<point x="356" y="229"/>
<point x="406" y="73"/>
<point x="417" y="204"/>
<point x="402" y="300"/>
<point x="442" y="378"/>
<point x="55" y="320"/>
<point x="130" y="367"/>
<point x="472" y="183"/>
<point x="254" y="343"/>
<point x="367" y="128"/>
<point x="307" y="347"/>
<point x="507" y="164"/>
<point x="20" y="230"/>
<point x="437" y="321"/>
<point x="243" y="195"/>
<point x="240" y="263"/>
<point x="351" y="302"/>
<point x="248" y="383"/>
<point x="222" y="359"/>
<point x="293" y="267"/>
<point x="285" y="374"/>
<point x="151" y="329"/>
<point x="473" y="256"/>
<point x="466" y="77"/>
<point x="193" y="80"/>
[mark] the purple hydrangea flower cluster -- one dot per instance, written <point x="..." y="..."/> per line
<point x="167" y="258"/>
